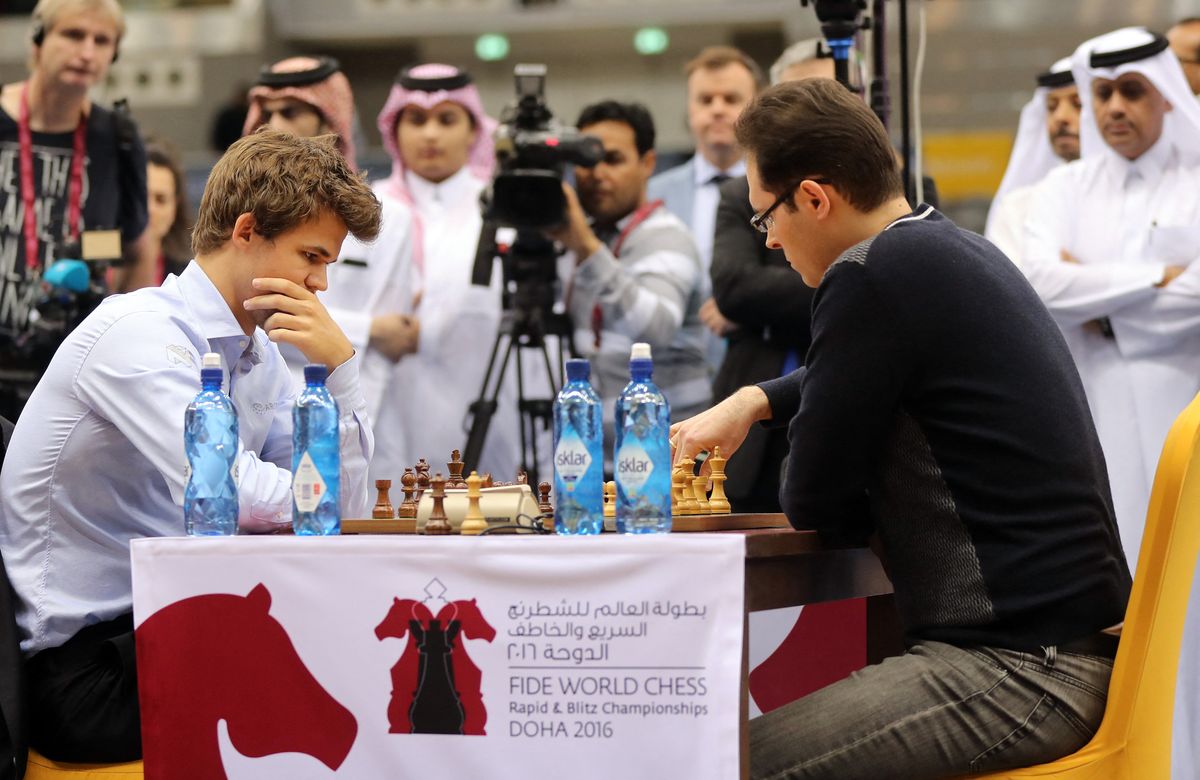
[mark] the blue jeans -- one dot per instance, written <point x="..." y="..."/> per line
<point x="936" y="711"/>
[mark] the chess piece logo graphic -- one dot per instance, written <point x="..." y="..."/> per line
<point x="268" y="708"/>
<point x="435" y="684"/>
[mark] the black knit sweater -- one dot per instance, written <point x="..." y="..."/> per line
<point x="940" y="408"/>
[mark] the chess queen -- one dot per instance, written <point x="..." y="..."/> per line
<point x="440" y="141"/>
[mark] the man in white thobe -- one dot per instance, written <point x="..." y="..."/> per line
<point x="1047" y="137"/>
<point x="439" y="137"/>
<point x="1126" y="219"/>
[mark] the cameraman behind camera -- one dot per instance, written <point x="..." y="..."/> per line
<point x="633" y="271"/>
<point x="78" y="179"/>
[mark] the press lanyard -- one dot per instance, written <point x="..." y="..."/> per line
<point x="28" y="196"/>
<point x="641" y="215"/>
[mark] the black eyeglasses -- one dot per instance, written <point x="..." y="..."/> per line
<point x="762" y="221"/>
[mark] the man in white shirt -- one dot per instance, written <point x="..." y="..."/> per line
<point x="1047" y="136"/>
<point x="721" y="81"/>
<point x="98" y="458"/>
<point x="1127" y="215"/>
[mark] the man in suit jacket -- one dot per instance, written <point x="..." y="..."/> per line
<point x="721" y="80"/>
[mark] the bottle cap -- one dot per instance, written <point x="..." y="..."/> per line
<point x="640" y="350"/>
<point x="211" y="360"/>
<point x="578" y="370"/>
<point x="315" y="372"/>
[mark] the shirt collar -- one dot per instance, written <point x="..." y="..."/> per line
<point x="703" y="170"/>
<point x="443" y="193"/>
<point x="1153" y="161"/>
<point x="216" y="321"/>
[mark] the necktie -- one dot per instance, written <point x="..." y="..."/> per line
<point x="719" y="179"/>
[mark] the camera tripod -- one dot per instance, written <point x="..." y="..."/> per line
<point x="528" y="318"/>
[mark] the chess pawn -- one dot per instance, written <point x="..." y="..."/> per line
<point x="474" y="523"/>
<point x="718" y="503"/>
<point x="687" y="500"/>
<point x="610" y="499"/>
<point x="422" y="479"/>
<point x="455" y="467"/>
<point x="438" y="524"/>
<point x="700" y="490"/>
<point x="383" y="503"/>
<point x="677" y="478"/>
<point x="408" y="507"/>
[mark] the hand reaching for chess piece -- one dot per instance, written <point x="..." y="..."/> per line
<point x="724" y="425"/>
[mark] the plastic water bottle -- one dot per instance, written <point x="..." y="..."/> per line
<point x="578" y="454"/>
<point x="210" y="438"/>
<point x="316" y="458"/>
<point x="643" y="454"/>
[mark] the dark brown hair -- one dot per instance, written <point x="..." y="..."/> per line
<point x="716" y="57"/>
<point x="818" y="128"/>
<point x="284" y="181"/>
<point x="176" y="245"/>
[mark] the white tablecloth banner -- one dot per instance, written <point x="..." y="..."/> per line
<point x="387" y="657"/>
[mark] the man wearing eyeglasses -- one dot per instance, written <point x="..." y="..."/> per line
<point x="633" y="271"/>
<point x="939" y="409"/>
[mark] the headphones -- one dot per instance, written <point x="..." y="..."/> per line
<point x="38" y="36"/>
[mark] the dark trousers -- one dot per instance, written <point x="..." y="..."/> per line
<point x="83" y="699"/>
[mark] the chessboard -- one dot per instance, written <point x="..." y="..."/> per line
<point x="698" y="503"/>
<point x="426" y="498"/>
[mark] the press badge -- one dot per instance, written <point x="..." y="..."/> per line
<point x="100" y="245"/>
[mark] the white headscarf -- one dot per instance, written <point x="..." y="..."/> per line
<point x="1181" y="126"/>
<point x="1032" y="155"/>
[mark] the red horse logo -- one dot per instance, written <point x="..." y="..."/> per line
<point x="223" y="657"/>
<point x="435" y="685"/>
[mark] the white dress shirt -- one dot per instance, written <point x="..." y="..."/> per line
<point x="1124" y="222"/>
<point x="704" y="209"/>
<point x="97" y="457"/>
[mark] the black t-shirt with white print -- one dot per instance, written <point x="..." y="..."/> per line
<point x="113" y="198"/>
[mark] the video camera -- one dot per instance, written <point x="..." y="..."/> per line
<point x="532" y="151"/>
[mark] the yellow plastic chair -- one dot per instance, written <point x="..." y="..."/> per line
<point x="1134" y="738"/>
<point x="42" y="768"/>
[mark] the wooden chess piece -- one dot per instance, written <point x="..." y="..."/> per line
<point x="544" y="505"/>
<point x="438" y="524"/>
<point x="700" y="490"/>
<point x="408" y="507"/>
<point x="487" y="479"/>
<point x="383" y="503"/>
<point x="522" y="477"/>
<point x="687" y="501"/>
<point x="677" y="478"/>
<point x="610" y="499"/>
<point x="474" y="523"/>
<point x="718" y="503"/>
<point x="422" y="478"/>
<point x="455" y="467"/>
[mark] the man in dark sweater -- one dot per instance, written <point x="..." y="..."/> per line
<point x="940" y="410"/>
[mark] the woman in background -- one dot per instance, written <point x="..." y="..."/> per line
<point x="169" y="228"/>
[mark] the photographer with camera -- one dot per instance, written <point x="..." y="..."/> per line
<point x="633" y="271"/>
<point x="75" y="188"/>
